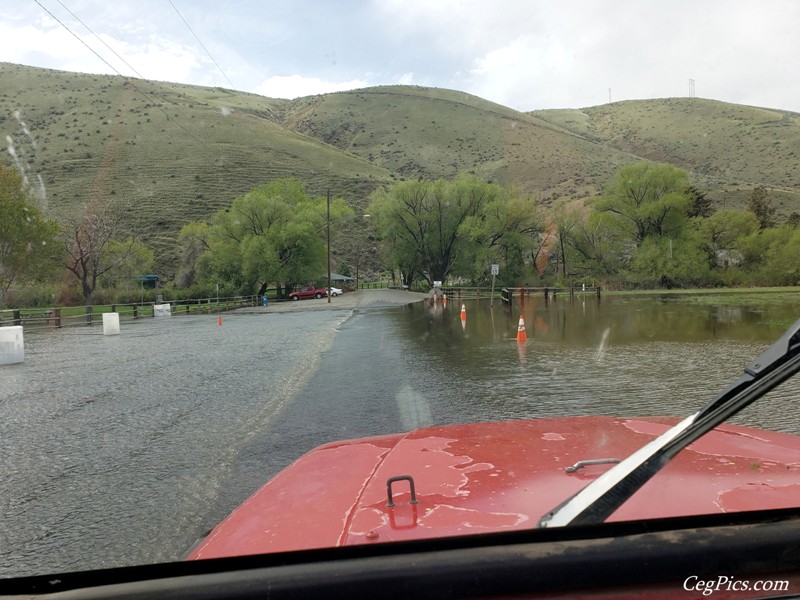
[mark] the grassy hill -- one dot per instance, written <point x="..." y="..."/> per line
<point x="727" y="148"/>
<point x="427" y="132"/>
<point x="175" y="153"/>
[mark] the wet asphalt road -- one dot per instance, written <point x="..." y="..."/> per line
<point x="116" y="450"/>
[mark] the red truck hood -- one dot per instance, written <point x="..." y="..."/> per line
<point x="497" y="476"/>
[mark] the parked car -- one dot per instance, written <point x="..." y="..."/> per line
<point x="308" y="292"/>
<point x="335" y="291"/>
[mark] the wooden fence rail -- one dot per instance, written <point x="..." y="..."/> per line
<point x="548" y="292"/>
<point x="468" y="293"/>
<point x="40" y="318"/>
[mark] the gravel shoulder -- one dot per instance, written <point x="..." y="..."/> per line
<point x="347" y="301"/>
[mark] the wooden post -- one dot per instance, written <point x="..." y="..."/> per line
<point x="57" y="317"/>
<point x="89" y="311"/>
<point x="598" y="292"/>
<point x="135" y="311"/>
<point x="17" y="318"/>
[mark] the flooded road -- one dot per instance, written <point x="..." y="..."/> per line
<point x="122" y="450"/>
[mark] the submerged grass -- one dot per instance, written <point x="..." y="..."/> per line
<point x="753" y="300"/>
<point x="700" y="293"/>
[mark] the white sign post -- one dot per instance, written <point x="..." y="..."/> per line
<point x="495" y="273"/>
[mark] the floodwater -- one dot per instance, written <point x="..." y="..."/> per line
<point x="123" y="450"/>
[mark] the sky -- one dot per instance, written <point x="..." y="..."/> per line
<point x="524" y="54"/>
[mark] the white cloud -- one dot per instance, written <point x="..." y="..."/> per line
<point x="546" y="54"/>
<point x="295" y="86"/>
<point x="522" y="53"/>
<point x="405" y="79"/>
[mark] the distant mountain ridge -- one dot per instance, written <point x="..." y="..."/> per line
<point x="179" y="152"/>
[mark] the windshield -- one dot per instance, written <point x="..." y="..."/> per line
<point x="486" y="245"/>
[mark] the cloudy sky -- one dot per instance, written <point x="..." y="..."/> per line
<point x="525" y="54"/>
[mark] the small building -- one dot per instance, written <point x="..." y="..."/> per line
<point x="342" y="280"/>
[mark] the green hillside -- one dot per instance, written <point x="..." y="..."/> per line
<point x="727" y="148"/>
<point x="172" y="153"/>
<point x="428" y="132"/>
<point x="175" y="153"/>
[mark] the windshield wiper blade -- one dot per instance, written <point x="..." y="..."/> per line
<point x="598" y="500"/>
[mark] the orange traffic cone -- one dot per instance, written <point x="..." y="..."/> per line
<point x="463" y="312"/>
<point x="521" y="335"/>
<point x="219" y="320"/>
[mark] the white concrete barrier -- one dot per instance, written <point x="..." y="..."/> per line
<point x="111" y="323"/>
<point x="12" y="345"/>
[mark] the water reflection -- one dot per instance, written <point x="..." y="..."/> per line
<point x="624" y="355"/>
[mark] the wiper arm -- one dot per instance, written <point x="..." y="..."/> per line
<point x="598" y="500"/>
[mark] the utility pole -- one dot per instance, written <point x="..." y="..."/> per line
<point x="329" y="246"/>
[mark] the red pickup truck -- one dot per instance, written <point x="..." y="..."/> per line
<point x="308" y="292"/>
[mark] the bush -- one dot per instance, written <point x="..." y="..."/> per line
<point x="33" y="295"/>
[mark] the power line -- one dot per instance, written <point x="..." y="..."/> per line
<point x="74" y="16"/>
<point x="202" y="45"/>
<point x="125" y="77"/>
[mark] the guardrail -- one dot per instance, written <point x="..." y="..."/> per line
<point x="72" y="316"/>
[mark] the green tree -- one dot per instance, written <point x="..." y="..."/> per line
<point x="507" y="232"/>
<point x="769" y="255"/>
<point x="273" y="234"/>
<point x="646" y="199"/>
<point x="782" y="257"/>
<point x="700" y="203"/>
<point x="423" y="223"/>
<point x="594" y="249"/>
<point x="760" y="204"/>
<point x="565" y="220"/>
<point x="667" y="262"/>
<point x="724" y="234"/>
<point x="28" y="248"/>
<point x="756" y="246"/>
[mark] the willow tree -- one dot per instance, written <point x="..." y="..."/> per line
<point x="646" y="199"/>
<point x="506" y="232"/>
<point x="274" y="233"/>
<point x="422" y="223"/>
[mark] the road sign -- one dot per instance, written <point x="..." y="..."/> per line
<point x="495" y="269"/>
